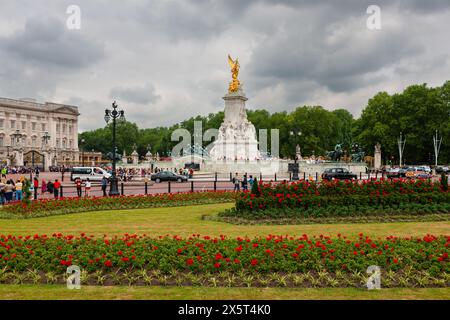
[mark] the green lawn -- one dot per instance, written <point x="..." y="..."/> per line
<point x="185" y="221"/>
<point x="60" y="292"/>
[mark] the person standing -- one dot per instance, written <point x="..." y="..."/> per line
<point x="236" y="182"/>
<point x="87" y="188"/>
<point x="19" y="193"/>
<point x="37" y="172"/>
<point x="56" y="187"/>
<point x="250" y="181"/>
<point x="245" y="183"/>
<point x="104" y="185"/>
<point x="35" y="186"/>
<point x="78" y="185"/>
<point x="9" y="189"/>
<point x="43" y="187"/>
<point x="2" y="193"/>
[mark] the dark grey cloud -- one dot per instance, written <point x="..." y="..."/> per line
<point x="292" y="52"/>
<point x="139" y="95"/>
<point x="48" y="42"/>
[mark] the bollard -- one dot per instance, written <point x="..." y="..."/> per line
<point x="368" y="176"/>
<point x="231" y="177"/>
<point x="121" y="188"/>
<point x="146" y="188"/>
<point x="360" y="175"/>
<point x="61" y="195"/>
<point x="192" y="186"/>
<point x="275" y="177"/>
<point x="290" y="176"/>
<point x="168" y="187"/>
<point x="260" y="176"/>
<point x="215" y="185"/>
<point x="376" y="175"/>
<point x="35" y="193"/>
<point x="62" y="176"/>
<point x="304" y="175"/>
<point x="317" y="177"/>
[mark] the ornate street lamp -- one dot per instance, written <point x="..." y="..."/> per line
<point x="295" y="169"/>
<point x="115" y="115"/>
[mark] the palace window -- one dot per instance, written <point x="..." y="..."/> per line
<point x="24" y="125"/>
<point x="57" y="143"/>
<point x="13" y="124"/>
<point x="43" y="126"/>
<point x="57" y="128"/>
<point x="64" y="128"/>
<point x="1" y="141"/>
<point x="33" y="126"/>
<point x="33" y="142"/>
<point x="2" y="123"/>
<point x="64" y="143"/>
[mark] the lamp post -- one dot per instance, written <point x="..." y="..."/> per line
<point x="115" y="115"/>
<point x="295" y="170"/>
<point x="82" y="152"/>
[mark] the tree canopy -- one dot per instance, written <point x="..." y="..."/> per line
<point x="417" y="113"/>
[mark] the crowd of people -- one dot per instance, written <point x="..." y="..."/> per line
<point x="244" y="182"/>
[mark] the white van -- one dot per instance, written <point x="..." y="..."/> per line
<point x="93" y="173"/>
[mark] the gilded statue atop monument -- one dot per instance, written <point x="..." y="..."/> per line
<point x="234" y="84"/>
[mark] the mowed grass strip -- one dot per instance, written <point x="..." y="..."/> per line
<point x="60" y="292"/>
<point x="185" y="221"/>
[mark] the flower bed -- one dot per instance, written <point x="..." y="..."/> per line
<point x="46" y="207"/>
<point x="337" y="198"/>
<point x="174" y="260"/>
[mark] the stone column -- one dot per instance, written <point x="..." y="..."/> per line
<point x="377" y="160"/>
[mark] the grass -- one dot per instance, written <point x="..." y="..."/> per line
<point x="60" y="292"/>
<point x="185" y="221"/>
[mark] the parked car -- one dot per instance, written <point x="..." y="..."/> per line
<point x="440" y="170"/>
<point x="426" y="169"/>
<point x="339" y="174"/>
<point x="406" y="172"/>
<point x="393" y="173"/>
<point x="93" y="173"/>
<point x="168" y="176"/>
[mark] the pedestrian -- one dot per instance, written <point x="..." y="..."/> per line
<point x="250" y="181"/>
<point x="56" y="186"/>
<point x="9" y="190"/>
<point x="35" y="185"/>
<point x="236" y="182"/>
<point x="43" y="187"/>
<point x="244" y="183"/>
<point x="37" y="172"/>
<point x="2" y="193"/>
<point x="104" y="185"/>
<point x="78" y="184"/>
<point x="19" y="186"/>
<point x="87" y="188"/>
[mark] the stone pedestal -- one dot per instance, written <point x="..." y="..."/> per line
<point x="237" y="136"/>
<point x="377" y="157"/>
<point x="135" y="157"/>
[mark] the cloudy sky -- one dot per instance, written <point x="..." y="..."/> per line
<point x="165" y="60"/>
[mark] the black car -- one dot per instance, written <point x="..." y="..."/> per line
<point x="440" y="170"/>
<point x="168" y="176"/>
<point x="339" y="174"/>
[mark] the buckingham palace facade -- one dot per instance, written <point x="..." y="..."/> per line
<point x="38" y="134"/>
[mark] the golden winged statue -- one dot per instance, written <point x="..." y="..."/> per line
<point x="234" y="84"/>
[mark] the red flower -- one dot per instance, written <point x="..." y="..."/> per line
<point x="108" y="263"/>
<point x="237" y="261"/>
<point x="396" y="261"/>
<point x="254" y="262"/>
<point x="189" y="261"/>
<point x="217" y="265"/>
